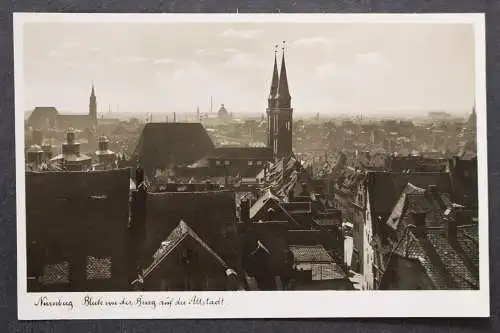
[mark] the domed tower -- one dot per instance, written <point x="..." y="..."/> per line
<point x="106" y="157"/>
<point x="71" y="158"/>
<point x="34" y="155"/>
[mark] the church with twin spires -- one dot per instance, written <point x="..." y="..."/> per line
<point x="280" y="111"/>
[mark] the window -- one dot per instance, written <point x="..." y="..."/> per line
<point x="259" y="162"/>
<point x="250" y="162"/>
<point x="226" y="163"/>
<point x="56" y="273"/>
<point x="217" y="162"/>
<point x="98" y="268"/>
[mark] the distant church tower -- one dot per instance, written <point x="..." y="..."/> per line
<point x="93" y="108"/>
<point x="280" y="112"/>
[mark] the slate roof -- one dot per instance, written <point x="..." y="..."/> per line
<point x="173" y="240"/>
<point x="177" y="143"/>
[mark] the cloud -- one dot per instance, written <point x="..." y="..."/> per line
<point x="54" y="53"/>
<point x="240" y="34"/>
<point x="130" y="59"/>
<point x="326" y="70"/>
<point x="322" y="41"/>
<point x="165" y="61"/>
<point x="243" y="60"/>
<point x="205" y="53"/>
<point x="233" y="51"/>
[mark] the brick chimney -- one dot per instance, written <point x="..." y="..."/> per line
<point x="418" y="219"/>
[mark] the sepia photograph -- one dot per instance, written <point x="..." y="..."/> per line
<point x="251" y="165"/>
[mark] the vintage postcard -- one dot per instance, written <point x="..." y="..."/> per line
<point x="251" y="166"/>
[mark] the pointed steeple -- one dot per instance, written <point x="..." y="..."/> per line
<point x="92" y="92"/>
<point x="283" y="91"/>
<point x="275" y="80"/>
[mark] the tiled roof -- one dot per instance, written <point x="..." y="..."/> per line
<point x="173" y="240"/>
<point x="323" y="271"/>
<point x="385" y="188"/>
<point x="310" y="254"/>
<point x="285" y="174"/>
<point x="455" y="265"/>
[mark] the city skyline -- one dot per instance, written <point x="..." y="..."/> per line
<point x="337" y="71"/>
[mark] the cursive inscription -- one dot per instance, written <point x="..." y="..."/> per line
<point x="44" y="301"/>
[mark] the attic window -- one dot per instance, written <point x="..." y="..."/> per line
<point x="217" y="162"/>
<point x="447" y="211"/>
<point x="98" y="197"/>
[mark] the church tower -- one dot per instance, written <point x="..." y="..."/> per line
<point x="272" y="102"/>
<point x="93" y="108"/>
<point x="282" y="115"/>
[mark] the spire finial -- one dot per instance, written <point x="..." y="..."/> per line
<point x="283" y="46"/>
<point x="275" y="49"/>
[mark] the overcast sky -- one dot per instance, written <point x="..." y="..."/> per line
<point x="332" y="68"/>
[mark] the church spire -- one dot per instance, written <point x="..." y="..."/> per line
<point x="275" y="79"/>
<point x="283" y="91"/>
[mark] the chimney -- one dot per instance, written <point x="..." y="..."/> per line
<point x="451" y="229"/>
<point x="418" y="219"/>
<point x="245" y="211"/>
<point x="139" y="176"/>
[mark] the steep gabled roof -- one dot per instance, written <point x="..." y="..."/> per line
<point x="212" y="214"/>
<point x="174" y="239"/>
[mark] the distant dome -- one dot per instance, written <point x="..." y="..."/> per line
<point x="35" y="148"/>
<point x="223" y="111"/>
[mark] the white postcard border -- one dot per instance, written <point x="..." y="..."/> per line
<point x="260" y="304"/>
